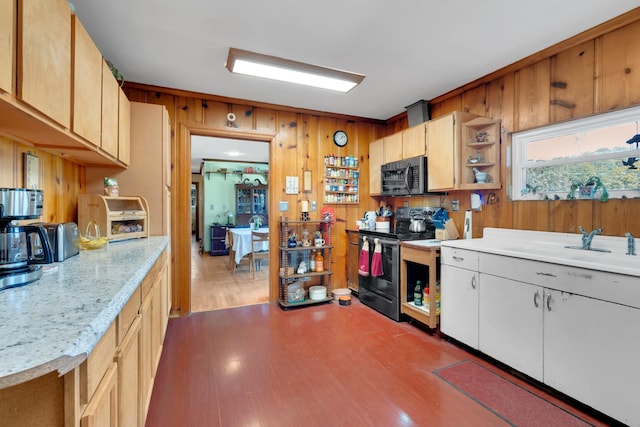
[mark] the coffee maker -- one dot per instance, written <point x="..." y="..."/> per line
<point x="20" y="259"/>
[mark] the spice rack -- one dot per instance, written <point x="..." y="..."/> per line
<point x="341" y="180"/>
<point x="292" y="255"/>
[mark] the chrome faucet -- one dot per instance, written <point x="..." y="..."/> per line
<point x="631" y="244"/>
<point x="587" y="238"/>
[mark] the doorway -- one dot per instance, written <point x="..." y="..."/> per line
<point x="219" y="166"/>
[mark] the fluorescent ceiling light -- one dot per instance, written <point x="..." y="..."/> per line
<point x="271" y="67"/>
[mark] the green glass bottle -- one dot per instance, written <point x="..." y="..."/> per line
<point x="417" y="294"/>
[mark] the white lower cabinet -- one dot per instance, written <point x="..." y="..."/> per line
<point x="582" y="346"/>
<point x="589" y="355"/>
<point x="510" y="323"/>
<point x="459" y="270"/>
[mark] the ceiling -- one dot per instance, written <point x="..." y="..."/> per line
<point x="408" y="51"/>
<point x="209" y="148"/>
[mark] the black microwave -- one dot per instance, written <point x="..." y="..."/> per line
<point x="405" y="177"/>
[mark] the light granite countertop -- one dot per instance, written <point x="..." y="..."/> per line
<point x="55" y="322"/>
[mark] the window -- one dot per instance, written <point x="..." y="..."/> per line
<point x="554" y="161"/>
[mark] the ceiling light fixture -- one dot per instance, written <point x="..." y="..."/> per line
<point x="271" y="67"/>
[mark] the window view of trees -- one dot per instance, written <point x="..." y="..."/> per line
<point x="552" y="162"/>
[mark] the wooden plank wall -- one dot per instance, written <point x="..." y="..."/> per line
<point x="299" y="141"/>
<point x="599" y="69"/>
<point x="594" y="72"/>
<point x="60" y="180"/>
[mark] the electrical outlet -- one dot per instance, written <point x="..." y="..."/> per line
<point x="314" y="206"/>
<point x="406" y="203"/>
<point x="283" y="206"/>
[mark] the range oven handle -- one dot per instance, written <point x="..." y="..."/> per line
<point x="386" y="242"/>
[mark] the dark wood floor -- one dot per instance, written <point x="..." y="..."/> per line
<point x="326" y="365"/>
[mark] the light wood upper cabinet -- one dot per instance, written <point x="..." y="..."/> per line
<point x="441" y="156"/>
<point x="110" y="103"/>
<point x="44" y="59"/>
<point x="376" y="159"/>
<point x="443" y="164"/>
<point x="393" y="147"/>
<point x="124" y="128"/>
<point x="414" y="141"/>
<point x="7" y="44"/>
<point x="87" y="85"/>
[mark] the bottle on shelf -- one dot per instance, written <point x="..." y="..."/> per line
<point x="312" y="261"/>
<point x="438" y="297"/>
<point x="319" y="261"/>
<point x="417" y="294"/>
<point x="426" y="299"/>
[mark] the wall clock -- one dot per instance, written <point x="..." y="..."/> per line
<point x="340" y="138"/>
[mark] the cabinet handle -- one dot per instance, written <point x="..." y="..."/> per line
<point x="549" y="301"/>
<point x="473" y="282"/>
<point x="458" y="259"/>
<point x="536" y="295"/>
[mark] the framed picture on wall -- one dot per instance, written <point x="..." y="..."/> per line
<point x="31" y="171"/>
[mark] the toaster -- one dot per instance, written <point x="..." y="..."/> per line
<point x="63" y="239"/>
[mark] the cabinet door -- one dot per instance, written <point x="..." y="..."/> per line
<point x="44" y="60"/>
<point x="87" y="85"/>
<point x="102" y="410"/>
<point x="146" y="375"/>
<point x="124" y="128"/>
<point x="414" y="141"/>
<point x="591" y="352"/>
<point x="459" y="304"/>
<point x="440" y="165"/>
<point x="110" y="102"/>
<point x="128" y="359"/>
<point x="393" y="147"/>
<point x="376" y="159"/>
<point x="7" y="44"/>
<point x="157" y="324"/>
<point x="352" y="260"/>
<point x="510" y="323"/>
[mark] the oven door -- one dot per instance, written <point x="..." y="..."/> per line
<point x="382" y="292"/>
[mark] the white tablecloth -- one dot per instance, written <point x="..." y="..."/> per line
<point x="242" y="242"/>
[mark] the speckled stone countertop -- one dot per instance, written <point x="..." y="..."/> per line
<point x="55" y="322"/>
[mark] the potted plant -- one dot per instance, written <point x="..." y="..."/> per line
<point x="588" y="190"/>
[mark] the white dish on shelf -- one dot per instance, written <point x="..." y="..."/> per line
<point x="317" y="292"/>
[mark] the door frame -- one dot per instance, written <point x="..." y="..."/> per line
<point x="181" y="204"/>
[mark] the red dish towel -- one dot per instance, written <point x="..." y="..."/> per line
<point x="363" y="263"/>
<point x="376" y="260"/>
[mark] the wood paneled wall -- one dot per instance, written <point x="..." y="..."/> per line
<point x="299" y="141"/>
<point x="60" y="180"/>
<point x="593" y="72"/>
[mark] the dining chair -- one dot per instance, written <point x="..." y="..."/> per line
<point x="257" y="254"/>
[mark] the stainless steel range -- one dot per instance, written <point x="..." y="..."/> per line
<point x="382" y="292"/>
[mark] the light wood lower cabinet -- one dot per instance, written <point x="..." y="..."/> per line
<point x="112" y="386"/>
<point x="102" y="411"/>
<point x="128" y="360"/>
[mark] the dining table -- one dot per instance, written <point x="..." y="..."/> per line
<point x="242" y="242"/>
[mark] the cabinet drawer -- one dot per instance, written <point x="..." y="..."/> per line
<point x="93" y="369"/>
<point x="612" y="287"/>
<point x="128" y="314"/>
<point x="462" y="258"/>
